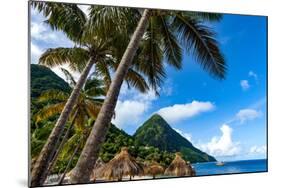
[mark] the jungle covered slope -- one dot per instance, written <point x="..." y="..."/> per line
<point x="158" y="133"/>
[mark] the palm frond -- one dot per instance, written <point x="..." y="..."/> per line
<point x="102" y="70"/>
<point x="204" y="16"/>
<point x="69" y="77"/>
<point x="76" y="57"/>
<point x="96" y="92"/>
<point x="172" y="49"/>
<point x="69" y="146"/>
<point x="136" y="80"/>
<point x="200" y="41"/>
<point x="49" y="111"/>
<point x="81" y="118"/>
<point x="63" y="17"/>
<point x="53" y="95"/>
<point x="110" y="20"/>
<point x="94" y="87"/>
<point x="150" y="63"/>
<point x="93" y="108"/>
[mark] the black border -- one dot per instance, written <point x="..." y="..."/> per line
<point x="91" y="183"/>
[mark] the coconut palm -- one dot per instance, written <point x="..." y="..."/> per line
<point x="91" y="48"/>
<point x="160" y="35"/>
<point x="86" y="107"/>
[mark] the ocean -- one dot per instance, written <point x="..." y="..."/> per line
<point x="210" y="168"/>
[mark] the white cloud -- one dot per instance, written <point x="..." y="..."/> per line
<point x="179" y="112"/>
<point x="247" y="114"/>
<point x="244" y="84"/>
<point x="253" y="74"/>
<point x="186" y="135"/>
<point x="40" y="31"/>
<point x="128" y="112"/>
<point x="132" y="107"/>
<point x="222" y="146"/>
<point x="35" y="52"/>
<point x="257" y="150"/>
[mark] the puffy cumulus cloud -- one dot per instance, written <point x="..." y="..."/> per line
<point x="186" y="135"/>
<point x="129" y="112"/>
<point x="247" y="114"/>
<point x="179" y="112"/>
<point x="244" y="84"/>
<point x="222" y="146"/>
<point x="257" y="150"/>
<point x="132" y="107"/>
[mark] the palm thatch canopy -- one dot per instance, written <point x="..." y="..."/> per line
<point x="179" y="167"/>
<point x="154" y="169"/>
<point x="97" y="168"/>
<point x="123" y="164"/>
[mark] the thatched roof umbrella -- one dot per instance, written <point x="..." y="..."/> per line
<point x="97" y="168"/>
<point x="123" y="164"/>
<point x="179" y="167"/>
<point x="154" y="169"/>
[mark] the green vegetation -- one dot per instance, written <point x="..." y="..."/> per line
<point x="158" y="133"/>
<point x="155" y="140"/>
<point x="142" y="41"/>
<point x="43" y="79"/>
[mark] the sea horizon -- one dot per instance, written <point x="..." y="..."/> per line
<point x="238" y="160"/>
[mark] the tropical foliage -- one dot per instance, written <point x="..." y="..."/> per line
<point x="142" y="41"/>
<point x="115" y="139"/>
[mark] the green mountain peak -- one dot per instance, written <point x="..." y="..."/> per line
<point x="158" y="133"/>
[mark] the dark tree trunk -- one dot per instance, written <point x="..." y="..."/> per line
<point x="69" y="163"/>
<point x="39" y="171"/>
<point x="55" y="158"/>
<point x="81" y="173"/>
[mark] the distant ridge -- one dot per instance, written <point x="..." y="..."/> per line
<point x="43" y="78"/>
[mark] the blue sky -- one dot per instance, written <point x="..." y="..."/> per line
<point x="226" y="118"/>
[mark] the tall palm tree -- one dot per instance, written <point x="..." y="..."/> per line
<point x="91" y="48"/>
<point x="175" y="31"/>
<point x="86" y="107"/>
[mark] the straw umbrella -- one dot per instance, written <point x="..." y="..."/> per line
<point x="154" y="169"/>
<point x="179" y="167"/>
<point x="97" y="168"/>
<point x="123" y="164"/>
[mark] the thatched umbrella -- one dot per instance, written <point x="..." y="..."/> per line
<point x="179" y="167"/>
<point x="123" y="164"/>
<point x="97" y="168"/>
<point x="154" y="169"/>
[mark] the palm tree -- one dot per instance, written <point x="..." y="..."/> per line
<point x="87" y="106"/>
<point x="160" y="34"/>
<point x="91" y="48"/>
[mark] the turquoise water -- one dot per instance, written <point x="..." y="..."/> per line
<point x="211" y="168"/>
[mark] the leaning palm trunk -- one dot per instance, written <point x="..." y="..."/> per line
<point x="40" y="169"/>
<point x="69" y="163"/>
<point x="81" y="173"/>
<point x="55" y="158"/>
